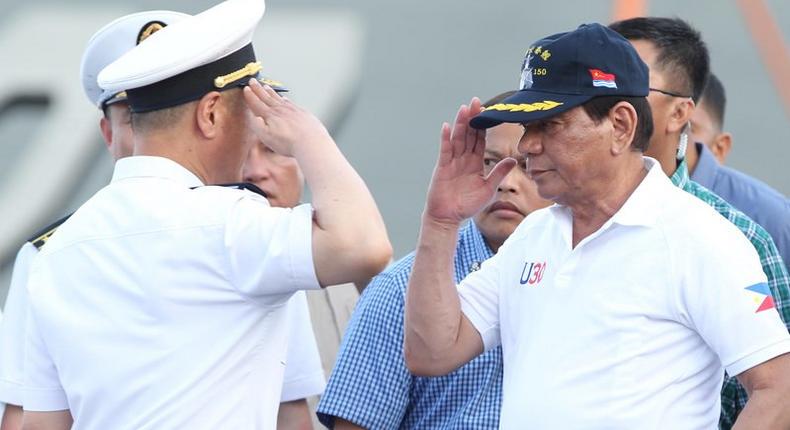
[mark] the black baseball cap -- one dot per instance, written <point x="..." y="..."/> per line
<point x="565" y="70"/>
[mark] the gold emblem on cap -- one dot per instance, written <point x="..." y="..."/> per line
<point x="149" y="29"/>
<point x="272" y="83"/>
<point x="248" y="70"/>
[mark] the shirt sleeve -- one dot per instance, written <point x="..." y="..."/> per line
<point x="42" y="388"/>
<point x="727" y="300"/>
<point x="304" y="376"/>
<point x="479" y="293"/>
<point x="270" y="249"/>
<point x="370" y="383"/>
<point x="12" y="331"/>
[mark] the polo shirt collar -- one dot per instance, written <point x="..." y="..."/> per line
<point x="642" y="206"/>
<point x="141" y="166"/>
<point x="705" y="171"/>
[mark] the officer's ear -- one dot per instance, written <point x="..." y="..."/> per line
<point x="106" y="130"/>
<point x="207" y="114"/>
<point x="624" y="119"/>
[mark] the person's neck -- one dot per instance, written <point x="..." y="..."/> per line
<point x="593" y="210"/>
<point x="180" y="150"/>
<point x="692" y="156"/>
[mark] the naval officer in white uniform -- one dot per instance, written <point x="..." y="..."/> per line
<point x="176" y="290"/>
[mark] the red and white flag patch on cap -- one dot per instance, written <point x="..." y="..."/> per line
<point x="603" y="79"/>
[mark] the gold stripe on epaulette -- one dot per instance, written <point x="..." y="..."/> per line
<point x="41" y="240"/>
<point x="248" y="70"/>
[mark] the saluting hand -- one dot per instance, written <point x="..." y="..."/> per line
<point x="459" y="187"/>
<point x="280" y="123"/>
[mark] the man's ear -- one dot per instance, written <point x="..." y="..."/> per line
<point x="206" y="114"/>
<point x="721" y="146"/>
<point x="623" y="118"/>
<point x="106" y="131"/>
<point x="681" y="113"/>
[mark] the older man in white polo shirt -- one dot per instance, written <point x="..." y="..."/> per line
<point x="176" y="291"/>
<point x="618" y="307"/>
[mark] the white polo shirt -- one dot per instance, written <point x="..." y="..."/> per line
<point x="631" y="328"/>
<point x="160" y="306"/>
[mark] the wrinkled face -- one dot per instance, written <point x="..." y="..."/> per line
<point x="568" y="156"/>
<point x="120" y="143"/>
<point x="517" y="195"/>
<point x="664" y="143"/>
<point x="277" y="175"/>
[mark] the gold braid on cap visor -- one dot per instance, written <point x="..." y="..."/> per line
<point x="249" y="70"/>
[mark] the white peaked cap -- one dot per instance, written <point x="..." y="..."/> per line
<point x="190" y="43"/>
<point x="115" y="39"/>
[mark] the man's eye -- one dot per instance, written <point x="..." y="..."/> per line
<point x="489" y="162"/>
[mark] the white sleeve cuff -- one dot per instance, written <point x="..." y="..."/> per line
<point x="758" y="357"/>
<point x="11" y="392"/>
<point x="45" y="399"/>
<point x="489" y="333"/>
<point x="301" y="256"/>
<point x="309" y="385"/>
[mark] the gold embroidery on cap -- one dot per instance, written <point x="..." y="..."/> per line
<point x="248" y="70"/>
<point x="525" y="107"/>
<point x="272" y="83"/>
<point x="149" y="29"/>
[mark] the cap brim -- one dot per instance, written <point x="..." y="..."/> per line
<point x="525" y="106"/>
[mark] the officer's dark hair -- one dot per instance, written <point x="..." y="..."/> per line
<point x="714" y="99"/>
<point x="498" y="98"/>
<point x="162" y="119"/>
<point x="681" y="52"/>
<point x="146" y="122"/>
<point x="598" y="108"/>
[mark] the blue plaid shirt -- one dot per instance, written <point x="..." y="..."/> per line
<point x="370" y="384"/>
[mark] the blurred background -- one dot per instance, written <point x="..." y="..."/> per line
<point x="383" y="75"/>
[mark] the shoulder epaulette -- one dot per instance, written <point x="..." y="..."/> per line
<point x="39" y="239"/>
<point x="242" y="186"/>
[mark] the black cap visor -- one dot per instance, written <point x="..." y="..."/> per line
<point x="527" y="105"/>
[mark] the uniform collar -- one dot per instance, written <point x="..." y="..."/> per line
<point x="154" y="167"/>
<point x="705" y="171"/>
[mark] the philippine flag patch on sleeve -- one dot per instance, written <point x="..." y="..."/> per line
<point x="762" y="297"/>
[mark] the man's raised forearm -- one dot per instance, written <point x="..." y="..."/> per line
<point x="433" y="309"/>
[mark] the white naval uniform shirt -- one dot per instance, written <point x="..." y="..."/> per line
<point x="304" y="376"/>
<point x="159" y="306"/>
<point x="633" y="327"/>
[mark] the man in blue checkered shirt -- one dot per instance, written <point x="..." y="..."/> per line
<point x="370" y="386"/>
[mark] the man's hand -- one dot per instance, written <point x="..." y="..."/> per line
<point x="279" y="123"/>
<point x="459" y="188"/>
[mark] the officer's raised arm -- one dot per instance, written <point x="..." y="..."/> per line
<point x="349" y="237"/>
